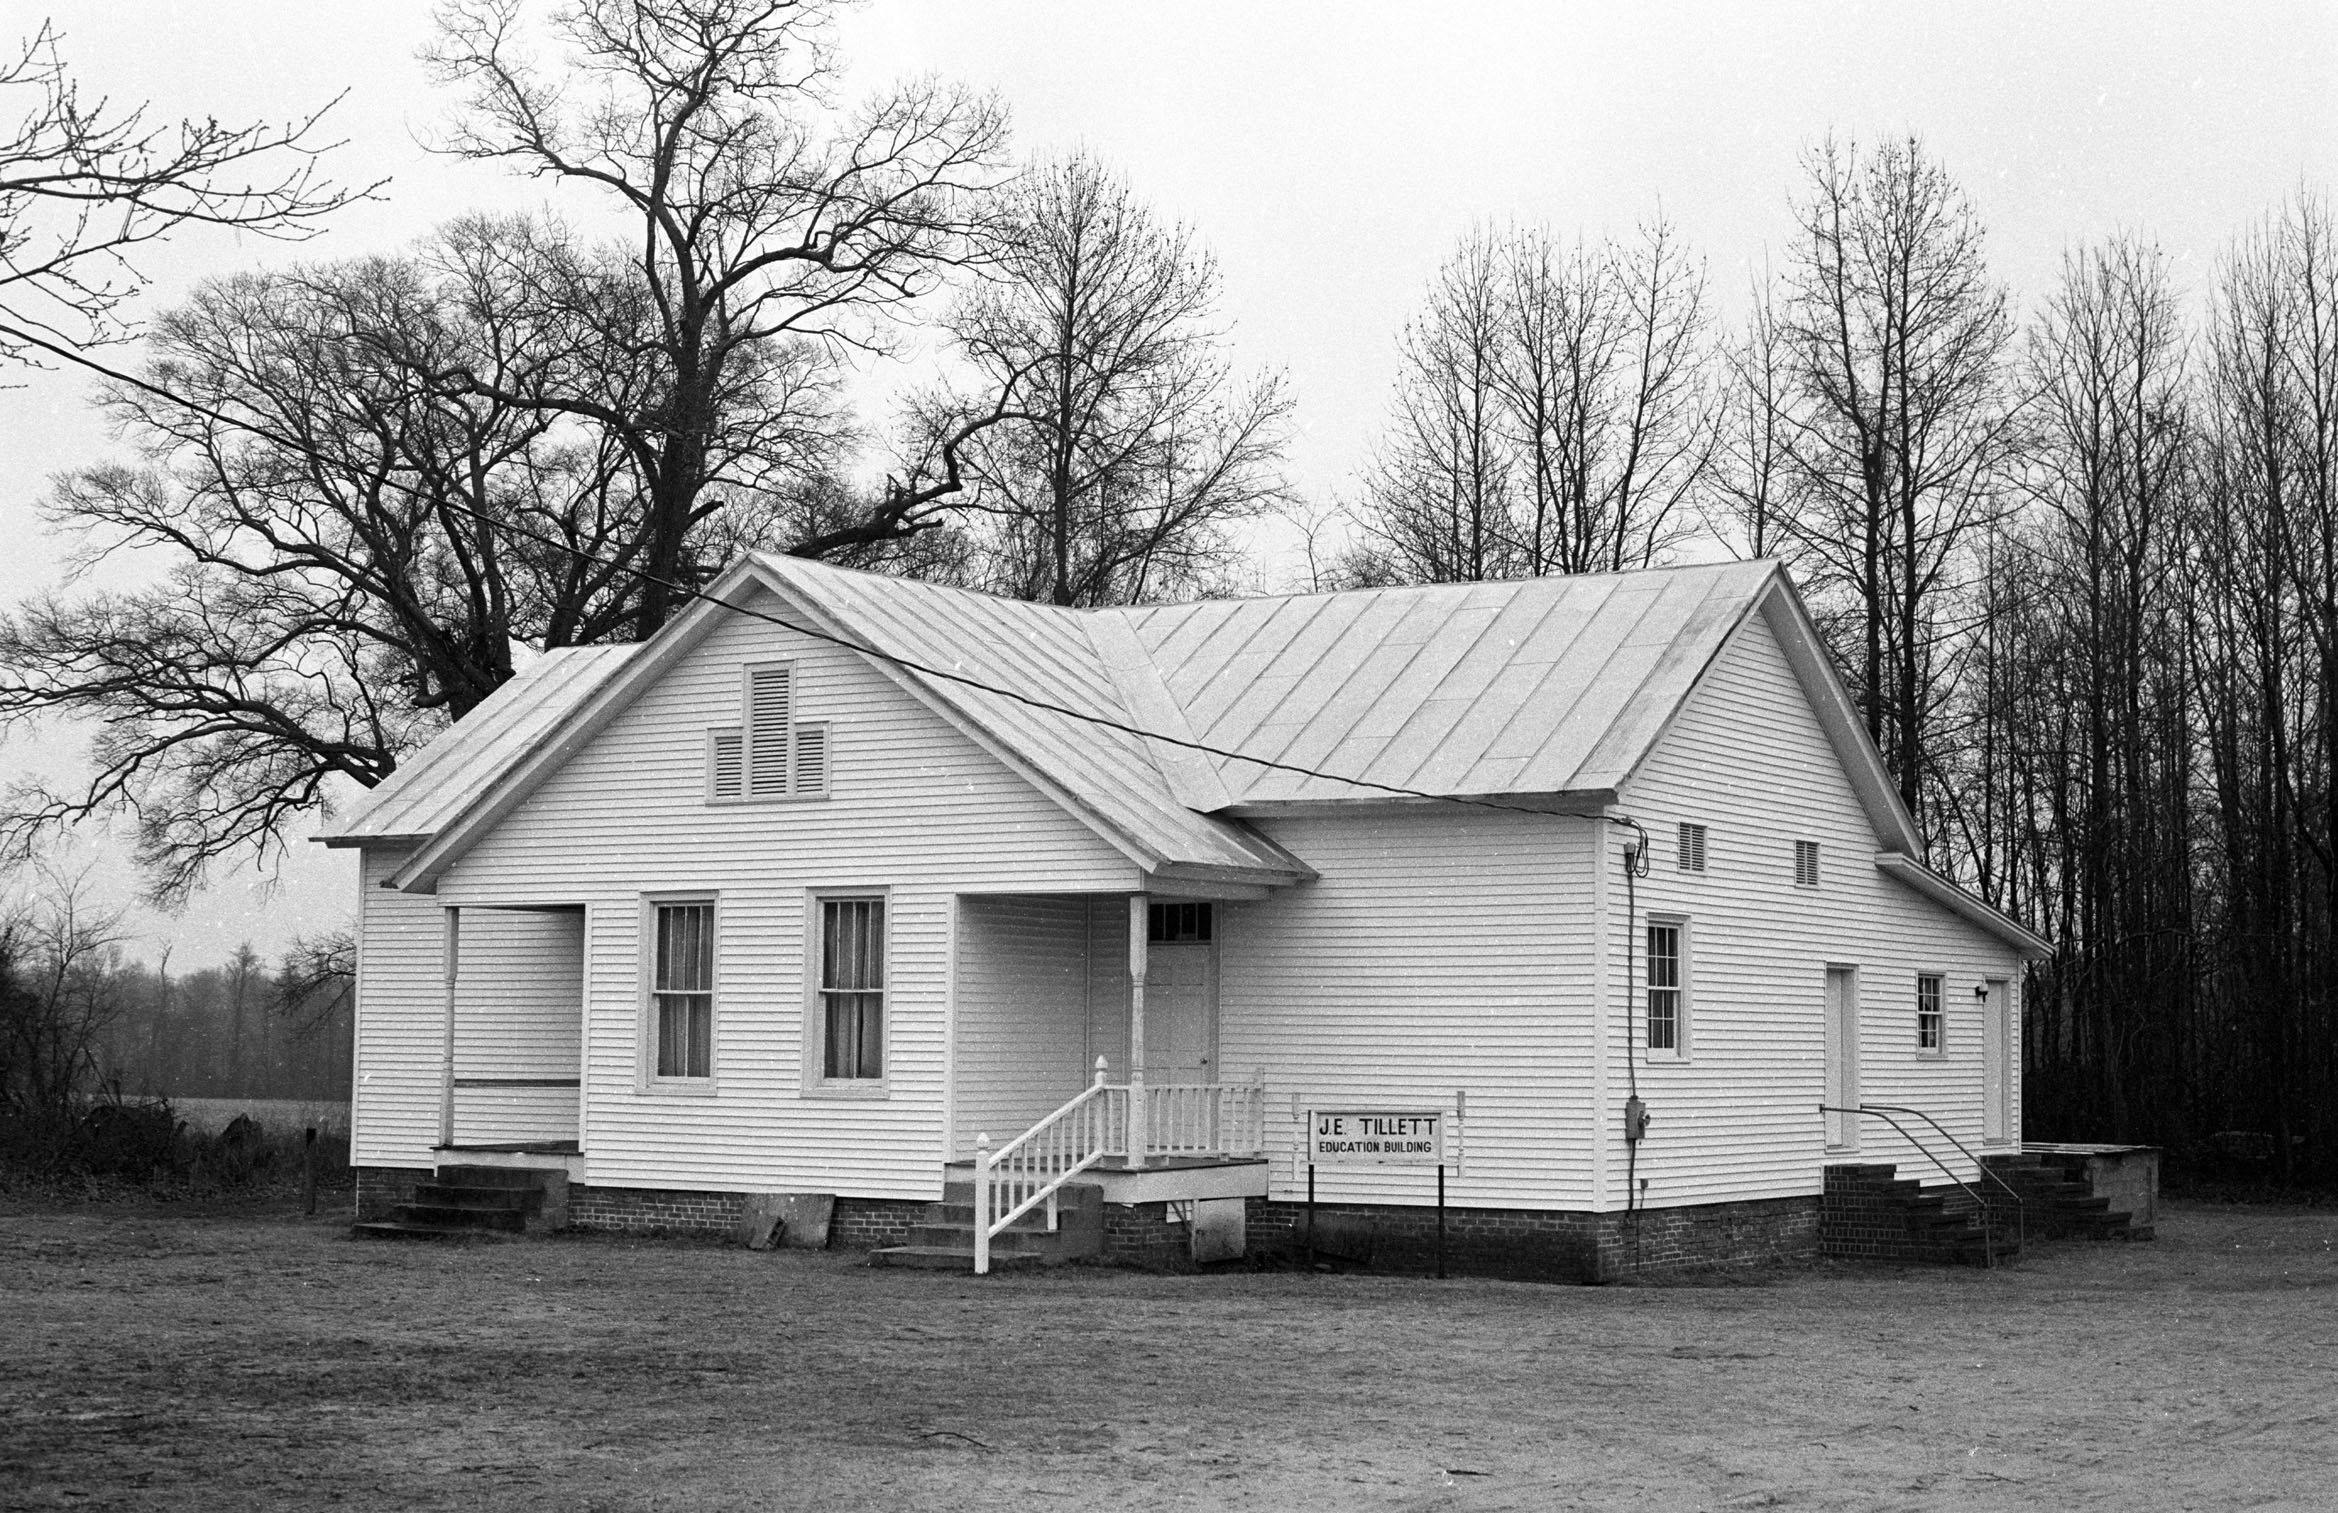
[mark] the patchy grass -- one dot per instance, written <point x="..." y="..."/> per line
<point x="219" y="1356"/>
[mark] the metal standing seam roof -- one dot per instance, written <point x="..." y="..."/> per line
<point x="1541" y="686"/>
<point x="1040" y="652"/>
<point x="432" y="788"/>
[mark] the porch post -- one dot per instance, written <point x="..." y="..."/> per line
<point x="1139" y="934"/>
<point x="446" y="1066"/>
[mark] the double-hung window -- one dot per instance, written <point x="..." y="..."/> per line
<point x="1931" y="1027"/>
<point x="1666" y="1004"/>
<point x="682" y="988"/>
<point x="851" y="1006"/>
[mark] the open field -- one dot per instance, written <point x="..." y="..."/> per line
<point x="281" y="1117"/>
<point x="192" y="1360"/>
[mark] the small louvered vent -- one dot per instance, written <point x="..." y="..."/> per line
<point x="770" y="712"/>
<point x="811" y="775"/>
<point x="1806" y="864"/>
<point x="725" y="764"/>
<point x="1692" y="848"/>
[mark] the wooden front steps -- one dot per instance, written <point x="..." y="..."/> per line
<point x="943" y="1240"/>
<point x="469" y="1202"/>
<point x="1869" y="1212"/>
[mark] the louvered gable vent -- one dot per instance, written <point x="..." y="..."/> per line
<point x="770" y="714"/>
<point x="811" y="767"/>
<point x="768" y="754"/>
<point x="725" y="764"/>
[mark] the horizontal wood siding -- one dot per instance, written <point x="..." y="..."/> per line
<point x="1022" y="1014"/>
<point x="1738" y="1117"/>
<point x="1442" y="949"/>
<point x="915" y="808"/>
<point x="401" y="1019"/>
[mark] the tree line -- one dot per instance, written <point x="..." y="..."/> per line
<point x="2077" y="560"/>
<point x="82" y="1023"/>
<point x="2080" y="572"/>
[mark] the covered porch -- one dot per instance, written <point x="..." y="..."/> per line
<point x="511" y="1036"/>
<point x="1107" y="1001"/>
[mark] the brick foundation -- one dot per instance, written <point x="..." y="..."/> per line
<point x="380" y="1189"/>
<point x="1545" y="1244"/>
<point x="866" y="1223"/>
<point x="1143" y="1234"/>
<point x="857" y="1224"/>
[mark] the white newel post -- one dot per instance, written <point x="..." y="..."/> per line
<point x="446" y="1065"/>
<point x="982" y="1205"/>
<point x="1139" y="934"/>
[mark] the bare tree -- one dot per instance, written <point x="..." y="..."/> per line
<point x="1898" y="422"/>
<point x="354" y="553"/>
<point x="1439" y="493"/>
<point x="1752" y="475"/>
<point x="85" y="185"/>
<point x="57" y="953"/>
<point x="761" y="216"/>
<point x="1125" y="446"/>
<point x="1553" y="412"/>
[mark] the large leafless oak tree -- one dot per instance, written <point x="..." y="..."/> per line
<point x="753" y="209"/>
<point x="86" y="186"/>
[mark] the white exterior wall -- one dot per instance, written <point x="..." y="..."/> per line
<point x="1442" y="950"/>
<point x="1738" y="1116"/>
<point x="1022" y="1016"/>
<point x="400" y="1019"/>
<point x="916" y="809"/>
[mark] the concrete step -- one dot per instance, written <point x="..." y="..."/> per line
<point x="453" y="1216"/>
<point x="450" y="1195"/>
<point x="1038" y="1242"/>
<point x="950" y="1258"/>
<point x="491" y="1176"/>
<point x="403" y="1229"/>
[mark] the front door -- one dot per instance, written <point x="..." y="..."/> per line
<point x="1996" y="1062"/>
<point x="1842" y="1057"/>
<point x="1181" y="1012"/>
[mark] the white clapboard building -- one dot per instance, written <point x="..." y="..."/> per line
<point x="844" y="879"/>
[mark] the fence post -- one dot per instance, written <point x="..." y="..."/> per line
<point x="308" y="1172"/>
<point x="982" y="1205"/>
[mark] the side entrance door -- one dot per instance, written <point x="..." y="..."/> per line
<point x="1996" y="1063"/>
<point x="1842" y="1076"/>
<point x="1181" y="1012"/>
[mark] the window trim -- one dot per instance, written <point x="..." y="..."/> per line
<point x="647" y="1078"/>
<point x="1940" y="1012"/>
<point x="1682" y="1020"/>
<point x="816" y="1081"/>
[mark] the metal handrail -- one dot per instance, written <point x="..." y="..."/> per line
<point x="1884" y="1111"/>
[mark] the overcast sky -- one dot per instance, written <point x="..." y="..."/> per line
<point x="1330" y="154"/>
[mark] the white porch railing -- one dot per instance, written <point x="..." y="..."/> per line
<point x="1177" y="1119"/>
<point x="1033" y="1167"/>
<point x="1204" y="1119"/>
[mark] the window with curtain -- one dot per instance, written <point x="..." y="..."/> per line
<point x="852" y="988"/>
<point x="682" y="989"/>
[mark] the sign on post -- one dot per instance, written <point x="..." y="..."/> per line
<point x="1376" y="1137"/>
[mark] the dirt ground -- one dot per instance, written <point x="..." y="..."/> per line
<point x="164" y="1359"/>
